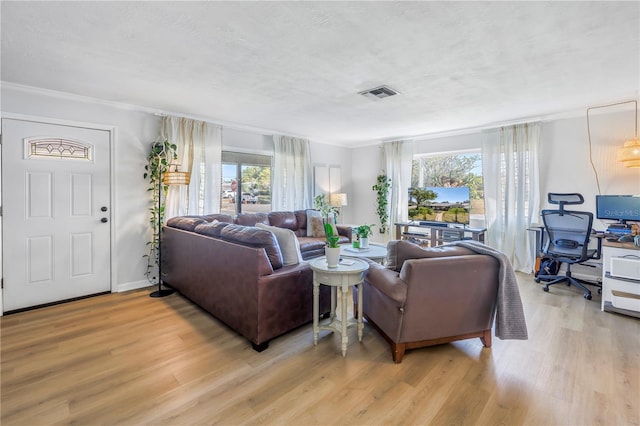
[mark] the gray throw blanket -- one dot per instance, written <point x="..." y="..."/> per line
<point x="510" y="321"/>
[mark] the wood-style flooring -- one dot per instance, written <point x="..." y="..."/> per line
<point x="130" y="359"/>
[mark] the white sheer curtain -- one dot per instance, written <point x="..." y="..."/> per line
<point x="397" y="157"/>
<point x="512" y="190"/>
<point x="292" y="174"/>
<point x="199" y="148"/>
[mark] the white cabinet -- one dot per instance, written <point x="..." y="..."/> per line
<point x="621" y="278"/>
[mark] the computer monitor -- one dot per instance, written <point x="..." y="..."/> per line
<point x="621" y="208"/>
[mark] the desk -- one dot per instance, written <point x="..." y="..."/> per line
<point x="438" y="233"/>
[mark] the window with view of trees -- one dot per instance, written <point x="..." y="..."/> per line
<point x="246" y="183"/>
<point x="451" y="171"/>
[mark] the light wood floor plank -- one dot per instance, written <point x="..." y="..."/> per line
<point x="129" y="359"/>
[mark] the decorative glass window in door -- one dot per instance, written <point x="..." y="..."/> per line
<point x="49" y="147"/>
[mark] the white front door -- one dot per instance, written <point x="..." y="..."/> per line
<point x="56" y="212"/>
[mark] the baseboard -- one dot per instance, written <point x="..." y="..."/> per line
<point x="134" y="285"/>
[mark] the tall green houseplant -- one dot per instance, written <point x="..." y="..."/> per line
<point x="158" y="160"/>
<point x="383" y="183"/>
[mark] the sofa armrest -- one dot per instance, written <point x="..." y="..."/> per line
<point x="387" y="281"/>
<point x="345" y="231"/>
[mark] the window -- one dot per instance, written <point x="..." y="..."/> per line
<point x="451" y="171"/>
<point x="246" y="183"/>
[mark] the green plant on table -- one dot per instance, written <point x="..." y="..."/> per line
<point x="364" y="231"/>
<point x="332" y="239"/>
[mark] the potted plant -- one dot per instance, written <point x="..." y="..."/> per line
<point x="364" y="232"/>
<point x="320" y="203"/>
<point x="332" y="250"/>
<point x="158" y="160"/>
<point x="383" y="183"/>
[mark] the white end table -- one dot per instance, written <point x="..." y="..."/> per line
<point x="350" y="272"/>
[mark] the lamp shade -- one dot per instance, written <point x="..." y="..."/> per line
<point x="176" y="178"/>
<point x="629" y="154"/>
<point x="338" y="200"/>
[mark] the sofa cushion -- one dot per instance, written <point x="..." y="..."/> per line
<point x="398" y="251"/>
<point x="254" y="237"/>
<point x="186" y="223"/>
<point x="309" y="244"/>
<point x="250" y="219"/>
<point x="220" y="217"/>
<point x="285" y="220"/>
<point x="301" y="218"/>
<point x="311" y="214"/>
<point x="211" y="229"/>
<point x="317" y="228"/>
<point x="288" y="242"/>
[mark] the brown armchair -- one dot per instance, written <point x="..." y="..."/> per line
<point x="431" y="296"/>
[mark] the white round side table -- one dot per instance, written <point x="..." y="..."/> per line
<point x="350" y="272"/>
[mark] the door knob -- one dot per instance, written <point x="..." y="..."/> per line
<point x="104" y="220"/>
<point x="103" y="208"/>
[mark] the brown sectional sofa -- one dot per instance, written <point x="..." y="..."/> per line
<point x="235" y="271"/>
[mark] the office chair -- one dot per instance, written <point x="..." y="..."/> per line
<point x="568" y="233"/>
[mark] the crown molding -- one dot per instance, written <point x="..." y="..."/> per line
<point x="153" y="111"/>
<point x="558" y="115"/>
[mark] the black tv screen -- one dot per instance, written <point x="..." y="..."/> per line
<point x="450" y="205"/>
<point x="622" y="208"/>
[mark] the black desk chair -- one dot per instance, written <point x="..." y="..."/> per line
<point x="568" y="234"/>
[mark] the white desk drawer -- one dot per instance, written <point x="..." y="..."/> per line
<point x="623" y="294"/>
<point x="625" y="267"/>
<point x="622" y="300"/>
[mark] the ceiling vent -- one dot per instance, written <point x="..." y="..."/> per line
<point x="380" y="92"/>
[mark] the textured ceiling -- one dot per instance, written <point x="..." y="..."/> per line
<point x="297" y="67"/>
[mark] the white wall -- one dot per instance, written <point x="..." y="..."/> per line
<point x="135" y="131"/>
<point x="564" y="160"/>
<point x="365" y="167"/>
<point x="565" y="165"/>
<point x="464" y="142"/>
<point x="245" y="141"/>
<point x="335" y="156"/>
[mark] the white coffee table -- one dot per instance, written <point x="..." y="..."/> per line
<point x="350" y="272"/>
<point x="375" y="252"/>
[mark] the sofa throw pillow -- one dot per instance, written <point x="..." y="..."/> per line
<point x="288" y="242"/>
<point x="310" y="215"/>
<point x="317" y="227"/>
